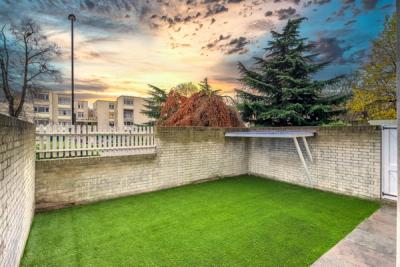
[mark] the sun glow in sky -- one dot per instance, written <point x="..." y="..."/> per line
<point x="124" y="45"/>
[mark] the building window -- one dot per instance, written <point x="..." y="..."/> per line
<point x="81" y="115"/>
<point x="64" y="100"/>
<point x="128" y="114"/>
<point x="64" y="112"/>
<point x="128" y="102"/>
<point x="111" y="124"/>
<point x="42" y="96"/>
<point x="127" y="123"/>
<point x="111" y="105"/>
<point x="81" y="105"/>
<point x="41" y="109"/>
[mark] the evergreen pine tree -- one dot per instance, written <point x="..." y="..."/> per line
<point x="281" y="90"/>
<point x="206" y="89"/>
<point x="154" y="103"/>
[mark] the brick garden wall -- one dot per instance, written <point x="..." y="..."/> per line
<point x="347" y="160"/>
<point x="17" y="174"/>
<point x="184" y="155"/>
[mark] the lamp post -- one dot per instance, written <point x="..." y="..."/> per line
<point x="72" y="18"/>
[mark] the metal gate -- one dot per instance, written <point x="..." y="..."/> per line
<point x="389" y="162"/>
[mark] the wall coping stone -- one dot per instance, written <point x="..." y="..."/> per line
<point x="8" y="121"/>
<point x="351" y="128"/>
<point x="94" y="158"/>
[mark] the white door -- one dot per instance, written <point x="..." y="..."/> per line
<point x="389" y="163"/>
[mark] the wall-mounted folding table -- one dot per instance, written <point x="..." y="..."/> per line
<point x="292" y="134"/>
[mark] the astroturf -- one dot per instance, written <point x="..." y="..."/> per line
<point x="238" y="221"/>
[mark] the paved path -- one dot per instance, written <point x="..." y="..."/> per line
<point x="372" y="243"/>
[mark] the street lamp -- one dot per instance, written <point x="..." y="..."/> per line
<point x="72" y="18"/>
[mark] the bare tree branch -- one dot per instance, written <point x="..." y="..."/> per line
<point x="4" y="65"/>
<point x="25" y="54"/>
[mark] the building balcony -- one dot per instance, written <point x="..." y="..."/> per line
<point x="41" y="101"/>
<point x="42" y="115"/>
<point x="82" y="118"/>
<point x="64" y="117"/>
<point x="64" y="105"/>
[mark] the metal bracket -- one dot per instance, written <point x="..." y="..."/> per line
<point x="302" y="157"/>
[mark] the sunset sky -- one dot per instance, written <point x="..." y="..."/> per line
<point x="123" y="45"/>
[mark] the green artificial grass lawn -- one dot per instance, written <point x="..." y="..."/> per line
<point x="239" y="221"/>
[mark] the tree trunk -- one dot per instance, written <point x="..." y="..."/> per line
<point x="25" y="80"/>
<point x="11" y="110"/>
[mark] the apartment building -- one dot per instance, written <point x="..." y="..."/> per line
<point x="125" y="111"/>
<point x="128" y="111"/>
<point x="42" y="107"/>
<point x="104" y="114"/>
<point x="84" y="115"/>
<point x="61" y="109"/>
<point x="55" y="107"/>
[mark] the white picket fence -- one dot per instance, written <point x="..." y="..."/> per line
<point x="57" y="141"/>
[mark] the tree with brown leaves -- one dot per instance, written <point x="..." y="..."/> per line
<point x="204" y="108"/>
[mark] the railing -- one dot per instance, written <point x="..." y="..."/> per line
<point x="57" y="141"/>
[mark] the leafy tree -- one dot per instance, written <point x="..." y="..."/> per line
<point x="206" y="89"/>
<point x="154" y="103"/>
<point x="204" y="108"/>
<point x="25" y="55"/>
<point x="281" y="90"/>
<point x="375" y="96"/>
<point x="159" y="97"/>
<point x="186" y="89"/>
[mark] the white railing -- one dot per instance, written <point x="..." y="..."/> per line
<point x="57" y="141"/>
